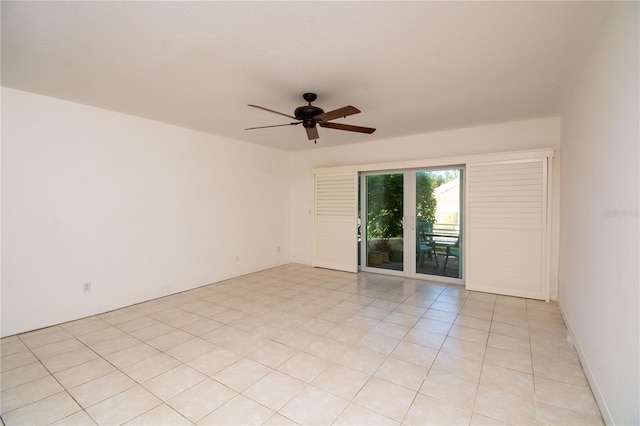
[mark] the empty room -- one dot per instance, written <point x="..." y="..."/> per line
<point x="320" y="213"/>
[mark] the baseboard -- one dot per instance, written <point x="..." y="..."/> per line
<point x="602" y="404"/>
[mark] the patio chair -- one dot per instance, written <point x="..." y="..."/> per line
<point x="425" y="243"/>
<point x="452" y="250"/>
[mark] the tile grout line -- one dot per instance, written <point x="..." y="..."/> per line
<point x="64" y="389"/>
<point x="243" y="305"/>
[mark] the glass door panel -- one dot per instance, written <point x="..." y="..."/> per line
<point x="384" y="198"/>
<point x="437" y="216"/>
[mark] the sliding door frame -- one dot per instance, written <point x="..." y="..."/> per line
<point x="363" y="222"/>
<point x="409" y="224"/>
<point x="414" y="222"/>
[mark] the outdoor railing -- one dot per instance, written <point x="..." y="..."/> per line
<point x="449" y="233"/>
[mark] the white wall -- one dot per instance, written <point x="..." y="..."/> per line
<point x="142" y="209"/>
<point x="599" y="276"/>
<point x="513" y="136"/>
<point x="138" y="208"/>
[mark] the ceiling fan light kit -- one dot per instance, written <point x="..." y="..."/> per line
<point x="310" y="116"/>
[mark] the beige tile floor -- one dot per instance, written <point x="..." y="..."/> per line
<point x="298" y="345"/>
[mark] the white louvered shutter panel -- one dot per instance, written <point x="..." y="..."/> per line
<point x="507" y="228"/>
<point x="335" y="233"/>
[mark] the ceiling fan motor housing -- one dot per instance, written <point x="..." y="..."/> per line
<point x="306" y="114"/>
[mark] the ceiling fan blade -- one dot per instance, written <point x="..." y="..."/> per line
<point x="336" y="113"/>
<point x="275" y="125"/>
<point x="312" y="133"/>
<point x="275" y="112"/>
<point x="348" y="127"/>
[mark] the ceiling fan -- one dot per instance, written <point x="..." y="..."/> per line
<point x="310" y="116"/>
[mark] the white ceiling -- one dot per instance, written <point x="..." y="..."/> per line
<point x="411" y="67"/>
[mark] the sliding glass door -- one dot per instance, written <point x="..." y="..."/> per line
<point x="438" y="195"/>
<point x="383" y="242"/>
<point x="413" y="223"/>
